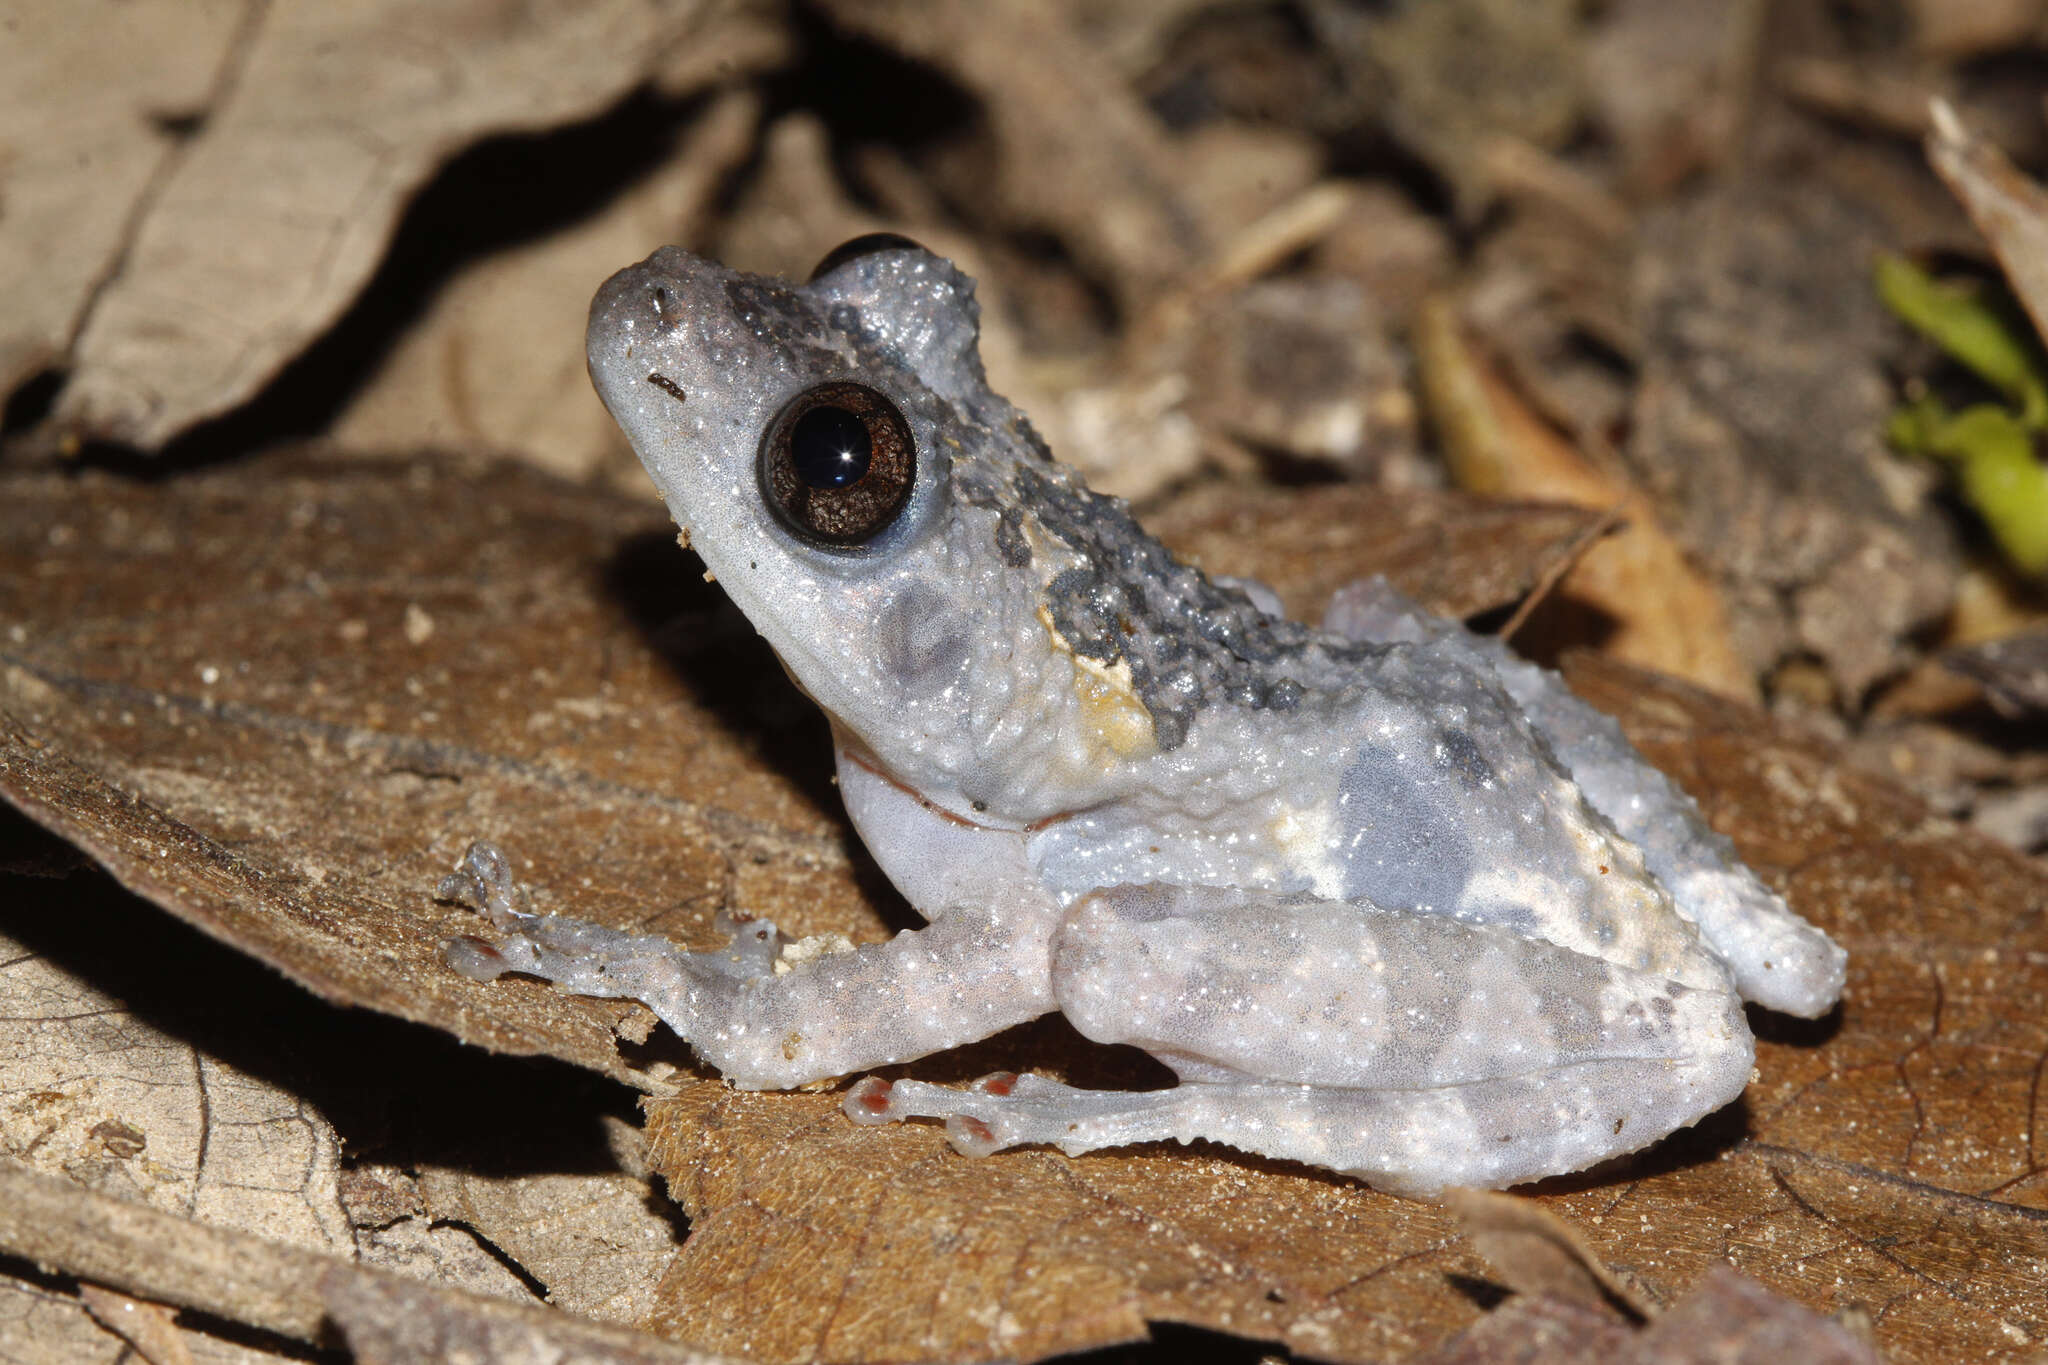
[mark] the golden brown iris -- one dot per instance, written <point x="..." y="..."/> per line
<point x="838" y="464"/>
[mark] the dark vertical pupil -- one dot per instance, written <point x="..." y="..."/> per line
<point x="830" y="447"/>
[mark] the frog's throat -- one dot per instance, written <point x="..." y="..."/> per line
<point x="852" y="752"/>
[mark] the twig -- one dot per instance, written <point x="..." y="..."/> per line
<point x="1609" y="521"/>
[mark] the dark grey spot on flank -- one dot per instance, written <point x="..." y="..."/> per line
<point x="1403" y="836"/>
<point x="844" y="317"/>
<point x="668" y="386"/>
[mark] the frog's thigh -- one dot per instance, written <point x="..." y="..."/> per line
<point x="1416" y="1050"/>
<point x="1778" y="959"/>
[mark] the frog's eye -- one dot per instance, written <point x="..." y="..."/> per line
<point x="837" y="464"/>
<point x="854" y="248"/>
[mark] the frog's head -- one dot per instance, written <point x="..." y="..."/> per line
<point x="835" y="456"/>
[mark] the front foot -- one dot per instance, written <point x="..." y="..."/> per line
<point x="770" y="1014"/>
<point x="588" y="958"/>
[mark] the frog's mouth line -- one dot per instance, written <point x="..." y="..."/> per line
<point x="857" y="754"/>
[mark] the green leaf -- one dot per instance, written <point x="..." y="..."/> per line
<point x="1996" y="469"/>
<point x="1973" y="330"/>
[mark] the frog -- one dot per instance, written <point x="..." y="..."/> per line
<point x="1384" y="898"/>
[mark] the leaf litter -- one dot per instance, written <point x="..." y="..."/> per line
<point x="277" y="695"/>
<point x="200" y="710"/>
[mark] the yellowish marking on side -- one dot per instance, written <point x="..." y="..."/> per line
<point x="1108" y="697"/>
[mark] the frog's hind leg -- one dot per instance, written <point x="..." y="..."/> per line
<point x="1491" y="1134"/>
<point x="1777" y="959"/>
<point x="1416" y="1051"/>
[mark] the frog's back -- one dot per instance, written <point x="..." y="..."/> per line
<point x="1397" y="777"/>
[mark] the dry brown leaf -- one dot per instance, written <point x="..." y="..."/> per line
<point x="390" y="1321"/>
<point x="278" y="209"/>
<point x="599" y="1241"/>
<point x="531" y="1180"/>
<point x="169" y="1125"/>
<point x="145" y="1326"/>
<point x="282" y="703"/>
<point x="42" y="1323"/>
<point x="1730" y="1318"/>
<point x="1727" y="1319"/>
<point x="815" y="1240"/>
<point x="91" y="98"/>
<point x="2007" y="207"/>
<point x="290" y="1292"/>
<point x="1536" y="1253"/>
<point x="1075" y="151"/>
<point x="496" y="363"/>
<point x="1534" y="1331"/>
<point x="238" y="679"/>
<point x="1657" y="610"/>
<point x="128" y="1064"/>
<point x="1460" y="553"/>
<point x="1759" y="416"/>
<point x="1546" y="1261"/>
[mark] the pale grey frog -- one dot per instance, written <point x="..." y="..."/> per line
<point x="1387" y="899"/>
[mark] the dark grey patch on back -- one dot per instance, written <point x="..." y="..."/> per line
<point x="1402" y="835"/>
<point x="1010" y="542"/>
<point x="1190" y="642"/>
<point x="1028" y="434"/>
<point x="978" y="490"/>
<point x="1461" y="751"/>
